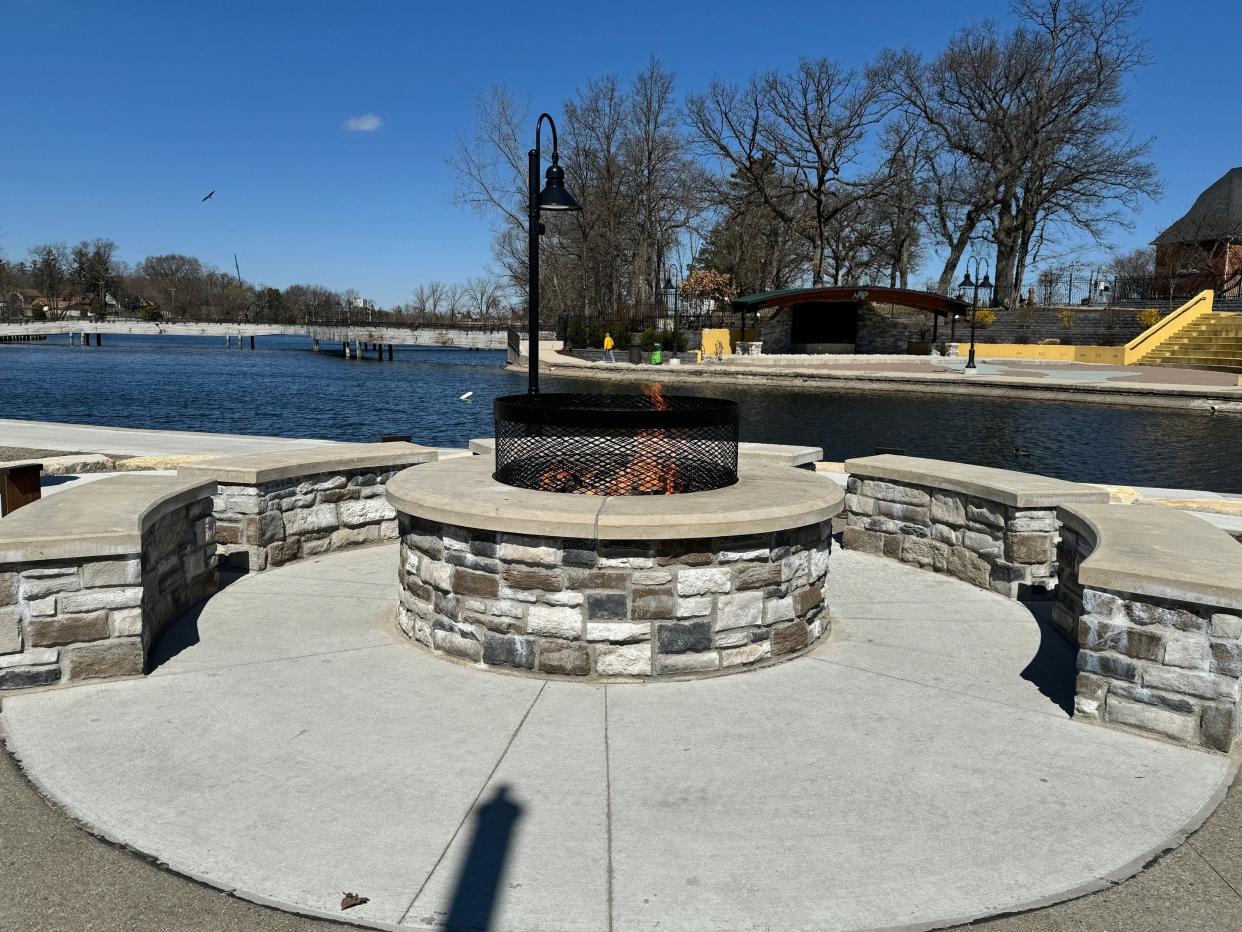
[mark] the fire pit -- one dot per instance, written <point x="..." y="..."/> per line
<point x="597" y="444"/>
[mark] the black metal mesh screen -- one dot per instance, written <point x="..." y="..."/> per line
<point x="616" y="444"/>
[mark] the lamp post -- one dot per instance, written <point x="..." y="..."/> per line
<point x="552" y="197"/>
<point x="671" y="286"/>
<point x="977" y="283"/>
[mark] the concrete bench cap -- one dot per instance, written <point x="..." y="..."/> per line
<point x="770" y="454"/>
<point x="291" y="462"/>
<point x="1006" y="486"/>
<point x="765" y="499"/>
<point x="102" y="518"/>
<point x="1158" y="552"/>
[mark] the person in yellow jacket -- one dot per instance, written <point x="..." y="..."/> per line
<point x="609" y="355"/>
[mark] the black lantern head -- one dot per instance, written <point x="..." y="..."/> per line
<point x="966" y="282"/>
<point x="554" y="196"/>
<point x="987" y="282"/>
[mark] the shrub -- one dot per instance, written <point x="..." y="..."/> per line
<point x="1066" y="315"/>
<point x="985" y="317"/>
<point x="1147" y="318"/>
<point x="150" y="313"/>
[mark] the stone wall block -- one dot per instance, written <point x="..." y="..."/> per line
<point x="468" y="582"/>
<point x="1147" y="613"/>
<point x="1191" y="682"/>
<point x="789" y="637"/>
<point x="1226" y="658"/>
<point x="986" y="513"/>
<point x="1177" y="725"/>
<point x="859" y="504"/>
<point x="40" y="586"/>
<point x="125" y="622"/>
<point x="567" y="658"/>
<point x="554" y="621"/>
<point x="1113" y="666"/>
<point x="912" y="514"/>
<point x="452" y="642"/>
<point x="854" y="538"/>
<point x="1089" y="694"/>
<point x="623" y="660"/>
<point x="948" y="508"/>
<point x="566" y="597"/>
<point x="1223" y="626"/>
<point x="93" y="600"/>
<point x="511" y="551"/>
<point x="1102" y="603"/>
<point x="683" y="636"/>
<point x="366" y="511"/>
<point x="525" y="577"/>
<point x="1098" y="633"/>
<point x="929" y="554"/>
<point x="315" y="520"/>
<point x="67" y="629"/>
<point x="8" y="587"/>
<point x="1028" y="548"/>
<point x="1175" y="701"/>
<point x="704" y="581"/>
<point x="737" y="610"/>
<point x="1042" y="523"/>
<point x="651" y="604"/>
<point x="749" y="653"/>
<point x="808" y="600"/>
<point x="693" y="606"/>
<point x="1187" y="649"/>
<point x="354" y="536"/>
<point x="607" y="605"/>
<point x="10" y="630"/>
<point x="968" y="567"/>
<point x="1220" y="725"/>
<point x="688" y="662"/>
<point x="891" y="492"/>
<point x="112" y="573"/>
<point x="618" y="632"/>
<point x="101" y="659"/>
<point x="509" y="650"/>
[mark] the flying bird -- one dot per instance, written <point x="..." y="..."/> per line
<point x="208" y="197"/>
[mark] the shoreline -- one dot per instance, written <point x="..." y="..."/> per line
<point x="1225" y="400"/>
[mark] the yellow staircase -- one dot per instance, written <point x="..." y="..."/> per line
<point x="1213" y="341"/>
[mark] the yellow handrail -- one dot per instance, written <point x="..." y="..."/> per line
<point x="1168" y="327"/>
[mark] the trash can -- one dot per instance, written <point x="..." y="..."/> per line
<point x="636" y="348"/>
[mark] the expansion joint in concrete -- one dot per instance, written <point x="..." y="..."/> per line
<point x="473" y="803"/>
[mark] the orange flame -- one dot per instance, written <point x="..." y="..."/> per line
<point x="652" y="470"/>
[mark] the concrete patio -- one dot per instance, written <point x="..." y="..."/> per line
<point x="916" y="770"/>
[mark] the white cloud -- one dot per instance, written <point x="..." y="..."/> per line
<point x="366" y="123"/>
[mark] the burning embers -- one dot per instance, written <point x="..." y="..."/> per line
<point x="587" y="444"/>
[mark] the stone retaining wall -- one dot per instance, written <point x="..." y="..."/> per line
<point x="1172" y="669"/>
<point x="97" y="617"/>
<point x="612" y="608"/>
<point x="986" y="543"/>
<point x="267" y="525"/>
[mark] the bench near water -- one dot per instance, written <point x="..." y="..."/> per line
<point x="90" y="577"/>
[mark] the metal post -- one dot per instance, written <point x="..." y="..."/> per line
<point x="390" y="352"/>
<point x="532" y="272"/>
<point x="252" y="341"/>
<point x="974" y="310"/>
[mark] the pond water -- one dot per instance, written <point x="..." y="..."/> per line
<point x="282" y="388"/>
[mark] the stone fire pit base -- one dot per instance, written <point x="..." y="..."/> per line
<point x="599" y="595"/>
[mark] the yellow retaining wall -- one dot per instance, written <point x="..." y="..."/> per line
<point x="712" y="336"/>
<point x="1168" y="327"/>
<point x="1128" y="355"/>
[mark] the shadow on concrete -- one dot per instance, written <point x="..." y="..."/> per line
<point x="181" y="634"/>
<point x="477" y="889"/>
<point x="1053" y="668"/>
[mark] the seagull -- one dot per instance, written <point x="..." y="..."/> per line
<point x="465" y="396"/>
<point x="208" y="197"/>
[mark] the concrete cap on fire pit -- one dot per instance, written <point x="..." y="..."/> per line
<point x="765" y="498"/>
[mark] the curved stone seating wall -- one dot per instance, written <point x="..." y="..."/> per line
<point x="90" y="577"/>
<point x="1153" y="598"/>
<point x="993" y="528"/>
<point x="612" y="608"/>
<point x="274" y="507"/>
<point x="579" y="585"/>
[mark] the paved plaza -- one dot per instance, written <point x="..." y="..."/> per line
<point x="917" y="769"/>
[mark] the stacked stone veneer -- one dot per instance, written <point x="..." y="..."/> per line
<point x="97" y="617"/>
<point x="612" y="608"/>
<point x="1168" y="668"/>
<point x="273" y="523"/>
<point x="983" y="542"/>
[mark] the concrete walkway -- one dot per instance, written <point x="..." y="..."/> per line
<point x="917" y="769"/>
<point x="126" y="441"/>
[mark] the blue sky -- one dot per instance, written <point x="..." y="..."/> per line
<point x="118" y="117"/>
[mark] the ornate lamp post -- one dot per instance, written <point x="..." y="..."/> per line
<point x="977" y="283"/>
<point x="552" y="197"/>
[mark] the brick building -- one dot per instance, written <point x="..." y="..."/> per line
<point x="1203" y="249"/>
